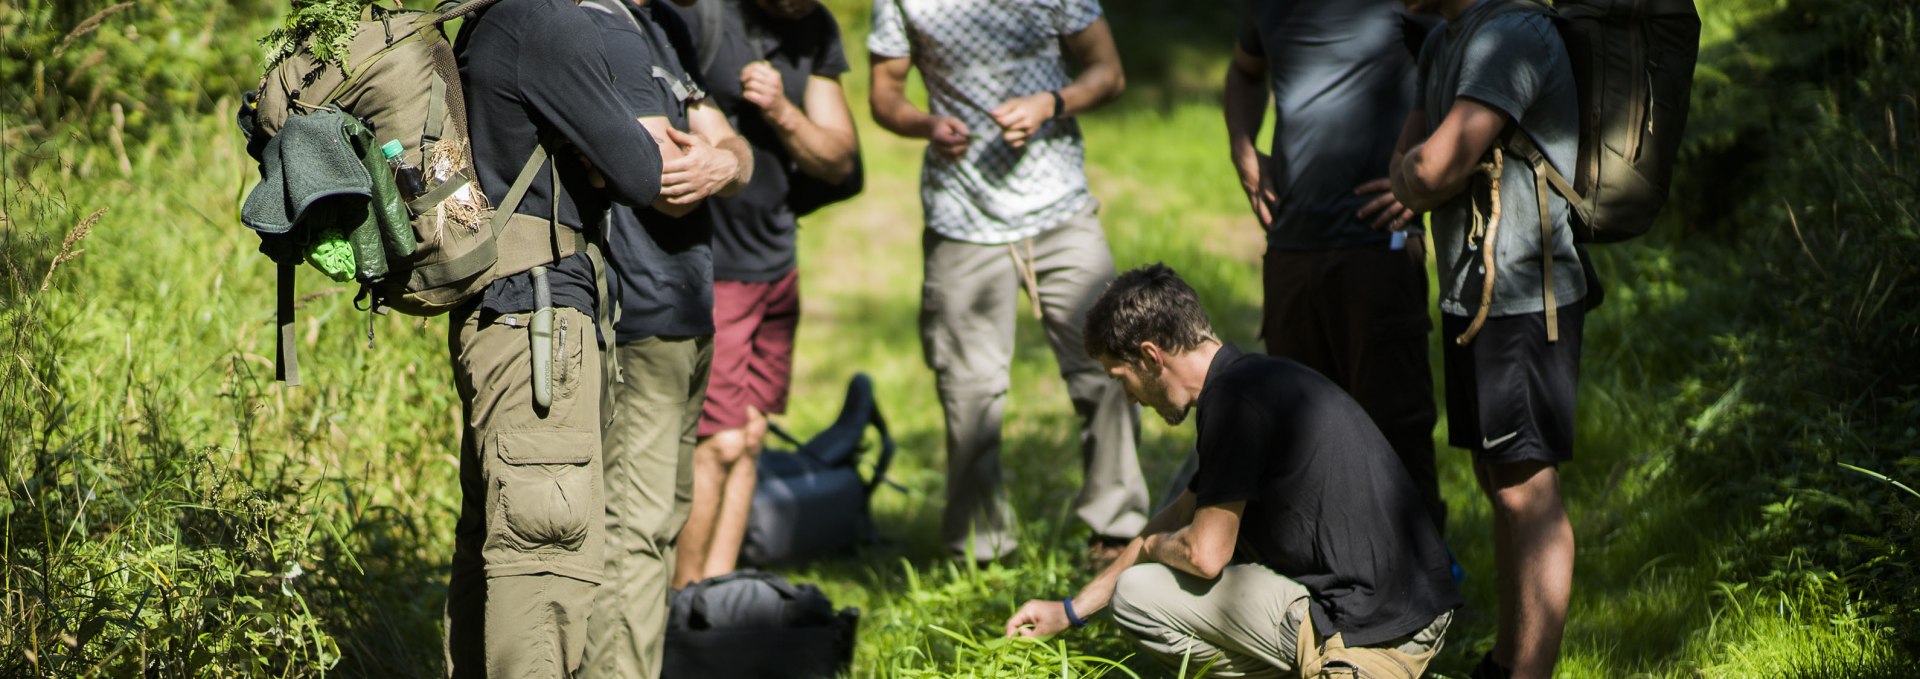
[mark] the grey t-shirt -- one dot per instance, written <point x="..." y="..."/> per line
<point x="1516" y="64"/>
<point x="1342" y="83"/>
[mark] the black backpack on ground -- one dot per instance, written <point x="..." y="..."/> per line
<point x="812" y="502"/>
<point x="751" y="624"/>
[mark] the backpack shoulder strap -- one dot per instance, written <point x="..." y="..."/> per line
<point x="448" y="10"/>
<point x="286" y="342"/>
<point x="1545" y="178"/>
<point x="885" y="459"/>
<point x="1519" y="143"/>
<point x="712" y="16"/>
<point x="783" y="435"/>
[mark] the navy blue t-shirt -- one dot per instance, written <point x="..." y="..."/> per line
<point x="662" y="266"/>
<point x="1342" y="81"/>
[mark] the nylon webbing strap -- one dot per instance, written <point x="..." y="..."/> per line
<point x="360" y="69"/>
<point x="436" y="109"/>
<point x="885" y="459"/>
<point x="521" y="183"/>
<point x="1523" y="145"/>
<point x="604" y="296"/>
<point x="462" y="10"/>
<point x="519" y="247"/>
<point x="1543" y="175"/>
<point x="524" y="248"/>
<point x="440" y="54"/>
<point x="287" y="367"/>
<point x="1546" y="249"/>
<point x="426" y="202"/>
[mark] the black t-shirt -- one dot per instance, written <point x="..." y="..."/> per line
<point x="534" y="68"/>
<point x="662" y="265"/>
<point x="1328" y="503"/>
<point x="754" y="230"/>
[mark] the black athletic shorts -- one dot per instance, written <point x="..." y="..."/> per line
<point x="1510" y="393"/>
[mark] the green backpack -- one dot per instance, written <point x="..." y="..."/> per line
<point x="400" y="82"/>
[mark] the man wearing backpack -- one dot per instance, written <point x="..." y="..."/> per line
<point x="1299" y="549"/>
<point x="774" y="67"/>
<point x="1345" y="270"/>
<point x="661" y="266"/>
<point x="529" y="544"/>
<point x="1512" y="333"/>
<point x="1007" y="207"/>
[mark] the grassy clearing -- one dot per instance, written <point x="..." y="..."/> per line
<point x="172" y="511"/>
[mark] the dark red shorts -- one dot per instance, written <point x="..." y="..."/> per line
<point x="753" y="326"/>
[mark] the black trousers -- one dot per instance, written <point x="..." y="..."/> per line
<point x="1359" y="317"/>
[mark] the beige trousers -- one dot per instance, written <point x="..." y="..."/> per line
<point x="967" y="315"/>
<point x="654" y="400"/>
<point x="1252" y="622"/>
<point x="527" y="548"/>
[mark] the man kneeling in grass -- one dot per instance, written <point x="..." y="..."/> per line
<point x="1299" y="548"/>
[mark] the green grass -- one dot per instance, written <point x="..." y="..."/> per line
<point x="171" y="510"/>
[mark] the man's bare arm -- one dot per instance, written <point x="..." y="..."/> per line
<point x="818" y="133"/>
<point x="669" y="152"/>
<point x="1044" y="618"/>
<point x="1245" y="104"/>
<point x="1100" y="80"/>
<point x="1202" y="548"/>
<point x="894" y="113"/>
<point x="1432" y="172"/>
<point x="706" y="120"/>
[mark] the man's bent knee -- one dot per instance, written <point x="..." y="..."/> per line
<point x="723" y="449"/>
<point x="1136" y="598"/>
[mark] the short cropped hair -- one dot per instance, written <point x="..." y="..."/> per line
<point x="1148" y="304"/>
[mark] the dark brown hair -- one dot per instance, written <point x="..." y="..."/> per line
<point x="1148" y="304"/>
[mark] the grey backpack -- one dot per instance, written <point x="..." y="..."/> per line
<point x="1633" y="66"/>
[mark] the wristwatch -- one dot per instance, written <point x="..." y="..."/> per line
<point x="1059" y="104"/>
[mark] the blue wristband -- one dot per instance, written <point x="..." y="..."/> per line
<point x="1071" y="618"/>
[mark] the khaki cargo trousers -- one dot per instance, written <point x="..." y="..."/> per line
<point x="1253" y="622"/>
<point x="528" y="545"/>
<point x="654" y="396"/>
<point x="968" y="308"/>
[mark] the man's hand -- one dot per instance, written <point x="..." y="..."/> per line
<point x="1038" y="619"/>
<point x="949" y="136"/>
<point x="1384" y="210"/>
<point x="701" y="171"/>
<point x="1258" y="185"/>
<point x="760" y="85"/>
<point x="1019" y="117"/>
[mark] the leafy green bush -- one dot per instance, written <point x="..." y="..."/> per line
<point x="1804" y="156"/>
<point x="107" y="73"/>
